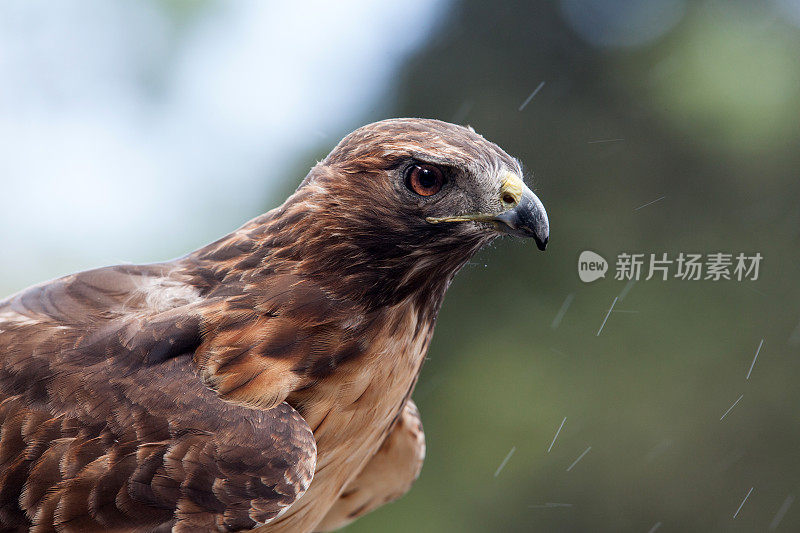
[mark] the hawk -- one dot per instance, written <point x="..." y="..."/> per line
<point x="262" y="381"/>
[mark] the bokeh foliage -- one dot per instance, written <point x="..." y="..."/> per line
<point x="709" y="118"/>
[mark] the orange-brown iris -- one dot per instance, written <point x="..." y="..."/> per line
<point x="425" y="180"/>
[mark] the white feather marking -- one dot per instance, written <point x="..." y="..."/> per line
<point x="12" y="317"/>
<point x="163" y="294"/>
<point x="280" y="513"/>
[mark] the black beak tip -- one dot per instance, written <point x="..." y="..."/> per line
<point x="527" y="219"/>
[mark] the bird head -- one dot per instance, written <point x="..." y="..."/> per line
<point x="397" y="208"/>
<point x="444" y="181"/>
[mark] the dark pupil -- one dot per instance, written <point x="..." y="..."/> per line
<point x="427" y="178"/>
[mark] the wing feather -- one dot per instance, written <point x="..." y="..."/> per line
<point x="104" y="423"/>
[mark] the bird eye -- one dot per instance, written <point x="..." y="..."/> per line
<point x="425" y="180"/>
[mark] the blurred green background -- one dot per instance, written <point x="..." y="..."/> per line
<point x="696" y="104"/>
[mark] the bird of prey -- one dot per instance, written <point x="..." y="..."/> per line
<point x="263" y="381"/>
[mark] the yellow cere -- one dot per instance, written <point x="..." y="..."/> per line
<point x="512" y="186"/>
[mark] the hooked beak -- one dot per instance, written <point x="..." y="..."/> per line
<point x="527" y="219"/>
<point x="525" y="216"/>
